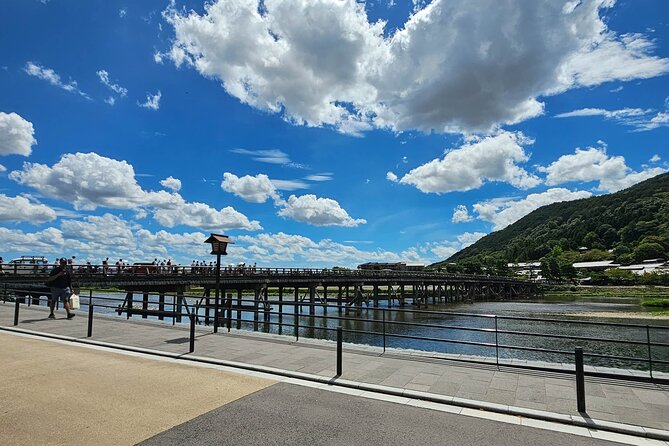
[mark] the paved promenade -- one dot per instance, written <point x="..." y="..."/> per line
<point x="118" y="398"/>
<point x="638" y="404"/>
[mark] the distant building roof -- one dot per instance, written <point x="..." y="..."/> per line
<point x="598" y="264"/>
<point x="523" y="264"/>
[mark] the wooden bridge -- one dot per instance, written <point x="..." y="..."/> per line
<point x="349" y="289"/>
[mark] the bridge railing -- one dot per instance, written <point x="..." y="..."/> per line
<point x="620" y="350"/>
<point x="181" y="271"/>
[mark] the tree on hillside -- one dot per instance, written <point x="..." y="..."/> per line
<point x="647" y="251"/>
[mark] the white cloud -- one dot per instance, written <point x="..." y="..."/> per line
<point x="639" y="118"/>
<point x="594" y="164"/>
<point x="282" y="248"/>
<point x="333" y="67"/>
<point x="122" y="12"/>
<point x="47" y="241"/>
<point x="201" y="215"/>
<point x="390" y="176"/>
<point x="447" y="248"/>
<point x="318" y="211"/>
<point x="461" y="214"/>
<point x="492" y="158"/>
<point x="152" y="101"/>
<point x="270" y="156"/>
<point x="655" y="158"/>
<point x="503" y="212"/>
<point x="3" y="168"/>
<point x="115" y="88"/>
<point x="469" y="238"/>
<point x="171" y="183"/>
<point x="326" y="176"/>
<point x="97" y="237"/>
<point x="16" y="135"/>
<point x="19" y="209"/>
<point x="257" y="189"/>
<point x="47" y="74"/>
<point x="615" y="114"/>
<point x="289" y="184"/>
<point x="88" y="181"/>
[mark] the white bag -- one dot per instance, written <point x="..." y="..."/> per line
<point x="74" y="302"/>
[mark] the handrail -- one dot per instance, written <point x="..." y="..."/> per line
<point x="143" y="270"/>
<point x="234" y="304"/>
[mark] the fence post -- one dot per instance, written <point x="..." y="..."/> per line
<point x="90" y="319"/>
<point x="650" y="356"/>
<point x="192" y="332"/>
<point x="340" y="336"/>
<point x="297" y="322"/>
<point x="496" y="344"/>
<point x="228" y="304"/>
<point x="16" y="311"/>
<point x="383" y="319"/>
<point x="580" y="379"/>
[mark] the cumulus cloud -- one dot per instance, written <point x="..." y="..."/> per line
<point x="255" y="189"/>
<point x="447" y="248"/>
<point x="152" y="101"/>
<point x="16" y="135"/>
<point x="89" y="181"/>
<point x="594" y="164"/>
<point x="454" y="66"/>
<point x="655" y="158"/>
<point x="461" y="214"/>
<point x="503" y="212"/>
<point x="318" y="211"/>
<point x="20" y="209"/>
<point x="98" y="236"/>
<point x="280" y="247"/>
<point x="201" y="215"/>
<point x="50" y="76"/>
<point x="171" y="183"/>
<point x="491" y="158"/>
<point x="390" y="176"/>
<point x="3" y="168"/>
<point x="115" y="88"/>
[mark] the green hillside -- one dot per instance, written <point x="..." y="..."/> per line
<point x="634" y="223"/>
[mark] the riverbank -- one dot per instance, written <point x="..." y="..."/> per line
<point x="640" y="291"/>
<point x="626" y="315"/>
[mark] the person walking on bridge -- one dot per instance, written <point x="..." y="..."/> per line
<point x="60" y="282"/>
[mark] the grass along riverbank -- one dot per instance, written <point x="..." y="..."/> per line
<point x="646" y="292"/>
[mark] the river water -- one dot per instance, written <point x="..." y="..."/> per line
<point x="450" y="328"/>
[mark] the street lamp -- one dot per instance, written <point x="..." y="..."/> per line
<point x="219" y="245"/>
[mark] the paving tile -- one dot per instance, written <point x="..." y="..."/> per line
<point x="538" y="395"/>
<point x="500" y="396"/>
<point x="632" y="403"/>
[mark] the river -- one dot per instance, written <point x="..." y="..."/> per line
<point x="454" y="322"/>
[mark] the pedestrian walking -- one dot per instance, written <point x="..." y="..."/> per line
<point x="60" y="282"/>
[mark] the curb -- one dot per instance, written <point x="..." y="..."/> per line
<point x="573" y="420"/>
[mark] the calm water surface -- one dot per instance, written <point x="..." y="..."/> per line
<point x="435" y="330"/>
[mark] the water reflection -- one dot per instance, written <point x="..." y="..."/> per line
<point x="454" y="333"/>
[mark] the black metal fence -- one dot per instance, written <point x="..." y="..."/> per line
<point x="619" y="350"/>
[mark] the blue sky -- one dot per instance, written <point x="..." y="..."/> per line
<point x="317" y="133"/>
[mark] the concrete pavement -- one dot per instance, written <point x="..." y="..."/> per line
<point x="638" y="404"/>
<point x="59" y="393"/>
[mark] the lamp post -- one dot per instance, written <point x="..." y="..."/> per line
<point x="219" y="244"/>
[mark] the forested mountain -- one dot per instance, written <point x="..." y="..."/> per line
<point x="633" y="223"/>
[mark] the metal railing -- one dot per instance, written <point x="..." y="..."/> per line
<point x="498" y="340"/>
<point x="149" y="270"/>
